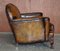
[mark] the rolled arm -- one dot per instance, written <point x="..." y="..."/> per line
<point x="46" y="23"/>
<point x="49" y="31"/>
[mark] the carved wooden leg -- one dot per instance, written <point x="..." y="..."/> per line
<point x="51" y="36"/>
<point x="51" y="40"/>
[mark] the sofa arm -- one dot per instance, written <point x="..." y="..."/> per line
<point x="49" y="31"/>
<point x="46" y="24"/>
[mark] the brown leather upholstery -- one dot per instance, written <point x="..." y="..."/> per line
<point x="12" y="11"/>
<point x="28" y="30"/>
<point x="33" y="14"/>
<point x="29" y="27"/>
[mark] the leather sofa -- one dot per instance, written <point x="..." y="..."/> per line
<point x="29" y="27"/>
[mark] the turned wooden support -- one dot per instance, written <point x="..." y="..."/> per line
<point x="51" y="35"/>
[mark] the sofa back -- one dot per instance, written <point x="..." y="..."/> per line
<point x="12" y="11"/>
<point x="30" y="15"/>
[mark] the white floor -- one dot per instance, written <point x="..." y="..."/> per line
<point x="7" y="43"/>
